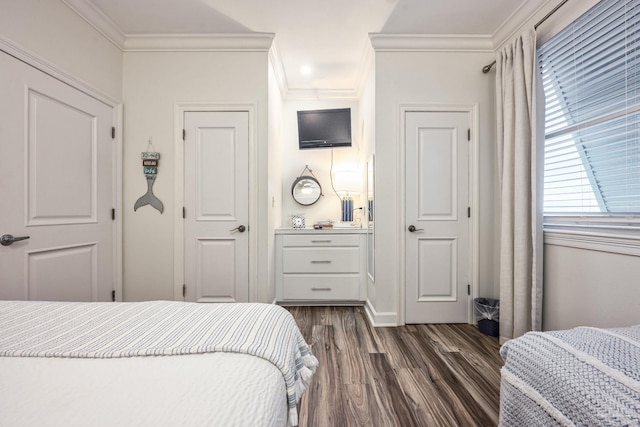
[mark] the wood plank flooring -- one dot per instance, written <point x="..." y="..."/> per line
<point x="414" y="375"/>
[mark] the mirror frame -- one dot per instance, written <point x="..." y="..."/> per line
<point x="296" y="192"/>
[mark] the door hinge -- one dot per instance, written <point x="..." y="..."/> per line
<point x="469" y="134"/>
<point x="113" y="214"/>
<point x="468" y="289"/>
<point x="184" y="291"/>
<point x="184" y="213"/>
<point x="113" y="132"/>
<point x="184" y="134"/>
<point x="113" y="295"/>
<point x="469" y="212"/>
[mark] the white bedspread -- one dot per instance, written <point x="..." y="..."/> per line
<point x="583" y="377"/>
<point x="196" y="390"/>
<point x="158" y="328"/>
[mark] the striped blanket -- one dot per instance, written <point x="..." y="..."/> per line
<point x="159" y="328"/>
<point x="583" y="377"/>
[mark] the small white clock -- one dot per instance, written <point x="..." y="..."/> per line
<point x="297" y="221"/>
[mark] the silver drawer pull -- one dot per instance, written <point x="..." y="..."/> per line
<point x="320" y="289"/>
<point x="314" y="261"/>
<point x="321" y="241"/>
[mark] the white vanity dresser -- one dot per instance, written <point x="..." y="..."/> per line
<point x="321" y="267"/>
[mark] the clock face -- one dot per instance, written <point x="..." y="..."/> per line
<point x="297" y="221"/>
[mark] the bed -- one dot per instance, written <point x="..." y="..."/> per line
<point x="156" y="363"/>
<point x="583" y="377"/>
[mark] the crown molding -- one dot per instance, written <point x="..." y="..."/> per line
<point x="349" y="94"/>
<point x="264" y="42"/>
<point x="325" y="94"/>
<point x="221" y="42"/>
<point x="530" y="13"/>
<point x="514" y="23"/>
<point x="366" y="63"/>
<point x="430" y="43"/>
<point x="37" y="61"/>
<point x="98" y="20"/>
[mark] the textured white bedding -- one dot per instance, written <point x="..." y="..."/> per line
<point x="157" y="329"/>
<point x="212" y="389"/>
<point x="582" y="376"/>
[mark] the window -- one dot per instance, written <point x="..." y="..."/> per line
<point x="591" y="80"/>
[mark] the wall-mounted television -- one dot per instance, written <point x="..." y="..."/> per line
<point x="324" y="128"/>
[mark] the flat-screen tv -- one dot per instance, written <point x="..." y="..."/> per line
<point x="324" y="128"/>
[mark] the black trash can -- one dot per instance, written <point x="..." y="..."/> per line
<point x="488" y="315"/>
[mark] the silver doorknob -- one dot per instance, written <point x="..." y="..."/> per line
<point x="8" y="239"/>
<point x="240" y="228"/>
<point x="412" y="228"/>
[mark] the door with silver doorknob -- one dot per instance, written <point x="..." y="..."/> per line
<point x="216" y="199"/>
<point x="8" y="239"/>
<point x="57" y="169"/>
<point x="437" y="231"/>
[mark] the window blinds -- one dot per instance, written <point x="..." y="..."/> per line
<point x="591" y="79"/>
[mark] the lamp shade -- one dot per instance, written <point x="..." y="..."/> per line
<point x="347" y="182"/>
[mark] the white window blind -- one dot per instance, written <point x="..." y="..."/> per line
<point x="591" y="79"/>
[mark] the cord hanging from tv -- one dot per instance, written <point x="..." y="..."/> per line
<point x="324" y="128"/>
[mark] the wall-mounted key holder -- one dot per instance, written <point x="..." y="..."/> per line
<point x="150" y="160"/>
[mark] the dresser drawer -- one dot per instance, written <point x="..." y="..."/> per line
<point x="317" y="287"/>
<point x="321" y="260"/>
<point x="313" y="240"/>
<point x="320" y="267"/>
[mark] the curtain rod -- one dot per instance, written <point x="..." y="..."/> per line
<point x="488" y="67"/>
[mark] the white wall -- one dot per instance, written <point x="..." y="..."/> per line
<point x="58" y="35"/>
<point x="435" y="78"/>
<point x="154" y="82"/>
<point x="267" y="292"/>
<point x="590" y="288"/>
<point x="294" y="161"/>
<point x="368" y="114"/>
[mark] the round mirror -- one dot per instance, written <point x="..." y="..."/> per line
<point x="306" y="190"/>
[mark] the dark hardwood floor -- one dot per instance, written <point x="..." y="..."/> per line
<point x="414" y="375"/>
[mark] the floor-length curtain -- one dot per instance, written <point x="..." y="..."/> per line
<point x="520" y="143"/>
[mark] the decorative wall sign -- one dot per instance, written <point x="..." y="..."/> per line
<point x="150" y="169"/>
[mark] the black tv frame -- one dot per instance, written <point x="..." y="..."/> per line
<point x="326" y="117"/>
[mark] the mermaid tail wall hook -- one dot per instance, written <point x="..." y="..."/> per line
<point x="149" y="198"/>
<point x="150" y="168"/>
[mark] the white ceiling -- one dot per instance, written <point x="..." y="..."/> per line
<point x="329" y="36"/>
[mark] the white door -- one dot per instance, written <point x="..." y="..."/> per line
<point x="56" y="186"/>
<point x="216" y="200"/>
<point x="437" y="224"/>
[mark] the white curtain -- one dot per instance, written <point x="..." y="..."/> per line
<point x="520" y="145"/>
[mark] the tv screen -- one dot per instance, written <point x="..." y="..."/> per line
<point x="324" y="128"/>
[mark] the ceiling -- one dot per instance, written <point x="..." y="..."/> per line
<point x="329" y="37"/>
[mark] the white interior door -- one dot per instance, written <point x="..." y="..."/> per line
<point x="216" y="199"/>
<point x="56" y="184"/>
<point x="437" y="233"/>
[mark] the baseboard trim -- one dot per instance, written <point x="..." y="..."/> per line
<point x="310" y="303"/>
<point x="382" y="319"/>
